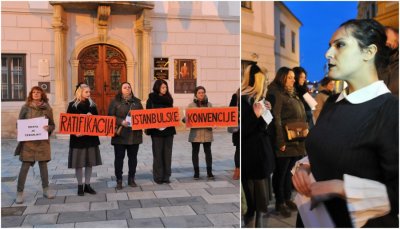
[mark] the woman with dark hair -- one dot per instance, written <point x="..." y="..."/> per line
<point x="287" y="108"/>
<point x="199" y="136"/>
<point x="300" y="84"/>
<point x="162" y="138"/>
<point x="127" y="139"/>
<point x="83" y="149"/>
<point x="257" y="156"/>
<point x="325" y="90"/>
<point x="29" y="152"/>
<point x="353" y="151"/>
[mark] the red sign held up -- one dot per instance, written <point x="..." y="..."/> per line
<point x="155" y="118"/>
<point x="94" y="125"/>
<point x="210" y="117"/>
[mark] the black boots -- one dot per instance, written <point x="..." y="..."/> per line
<point x="260" y="220"/>
<point x="283" y="210"/>
<point x="209" y="173"/>
<point x="89" y="189"/>
<point x="119" y="184"/>
<point x="196" y="173"/>
<point x="131" y="182"/>
<point x="80" y="190"/>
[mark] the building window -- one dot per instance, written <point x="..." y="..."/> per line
<point x="293" y="42"/>
<point x="246" y="4"/>
<point x="13" y="77"/>
<point x="282" y="34"/>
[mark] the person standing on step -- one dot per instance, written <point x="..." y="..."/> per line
<point x="29" y="152"/>
<point x="83" y="149"/>
<point x="199" y="136"/>
<point x="162" y="138"/>
<point x="128" y="139"/>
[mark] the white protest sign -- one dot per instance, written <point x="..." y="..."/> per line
<point x="310" y="100"/>
<point x="32" y="129"/>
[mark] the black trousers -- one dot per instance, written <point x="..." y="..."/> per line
<point x="162" y="156"/>
<point x="282" y="178"/>
<point x="207" y="152"/>
<point x="237" y="156"/>
<point x="119" y="151"/>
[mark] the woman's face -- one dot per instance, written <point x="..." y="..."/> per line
<point x="126" y="89"/>
<point x="36" y="95"/>
<point x="344" y="55"/>
<point x="290" y="79"/>
<point x="86" y="93"/>
<point x="330" y="85"/>
<point x="200" y="94"/>
<point x="302" y="78"/>
<point x="163" y="89"/>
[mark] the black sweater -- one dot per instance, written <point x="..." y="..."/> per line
<point x="83" y="141"/>
<point x="361" y="140"/>
<point x="158" y="101"/>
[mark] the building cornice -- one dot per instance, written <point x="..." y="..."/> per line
<point x="258" y="34"/>
<point x="209" y="18"/>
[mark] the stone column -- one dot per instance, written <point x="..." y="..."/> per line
<point x="60" y="63"/>
<point x="143" y="36"/>
<point x="137" y="82"/>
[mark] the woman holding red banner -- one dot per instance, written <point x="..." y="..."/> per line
<point x="31" y="151"/>
<point x="125" y="139"/>
<point x="83" y="150"/>
<point x="162" y="138"/>
<point x="199" y="136"/>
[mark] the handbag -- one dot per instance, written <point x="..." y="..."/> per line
<point x="296" y="131"/>
<point x="233" y="129"/>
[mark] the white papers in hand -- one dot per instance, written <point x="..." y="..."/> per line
<point x="266" y="114"/>
<point x="310" y="100"/>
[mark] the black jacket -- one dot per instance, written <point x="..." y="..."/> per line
<point x="157" y="101"/>
<point x="120" y="108"/>
<point x="83" y="141"/>
<point x="234" y="103"/>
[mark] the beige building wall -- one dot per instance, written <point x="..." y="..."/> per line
<point x="25" y="32"/>
<point x="284" y="55"/>
<point x="206" y="31"/>
<point x="258" y="35"/>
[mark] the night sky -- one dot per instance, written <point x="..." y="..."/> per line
<point x="320" y="20"/>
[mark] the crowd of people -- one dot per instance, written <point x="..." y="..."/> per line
<point x="84" y="150"/>
<point x="344" y="153"/>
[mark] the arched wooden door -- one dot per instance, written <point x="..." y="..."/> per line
<point x="103" y="68"/>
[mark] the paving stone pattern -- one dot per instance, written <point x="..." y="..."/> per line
<point x="182" y="203"/>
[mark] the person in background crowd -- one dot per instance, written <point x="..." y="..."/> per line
<point x="199" y="136"/>
<point x="286" y="108"/>
<point x="326" y="89"/>
<point x="83" y="149"/>
<point x="257" y="154"/>
<point x="236" y="137"/>
<point x="301" y="88"/>
<point x="29" y="152"/>
<point x="162" y="138"/>
<point x="390" y="74"/>
<point x="353" y="151"/>
<point x="128" y="139"/>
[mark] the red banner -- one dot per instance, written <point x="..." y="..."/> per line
<point x="94" y="125"/>
<point x="210" y="117"/>
<point x="155" y="118"/>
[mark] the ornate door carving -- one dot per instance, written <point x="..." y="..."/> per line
<point x="103" y="68"/>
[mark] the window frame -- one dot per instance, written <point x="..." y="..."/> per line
<point x="9" y="62"/>
<point x="282" y="28"/>
<point x="247" y="5"/>
<point x="293" y="42"/>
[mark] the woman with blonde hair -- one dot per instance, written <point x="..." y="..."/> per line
<point x="83" y="150"/>
<point x="31" y="151"/>
<point x="257" y="158"/>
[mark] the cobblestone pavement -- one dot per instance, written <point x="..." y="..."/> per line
<point x="182" y="203"/>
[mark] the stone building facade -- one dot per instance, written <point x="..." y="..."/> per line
<point x="58" y="44"/>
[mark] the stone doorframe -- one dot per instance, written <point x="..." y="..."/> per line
<point x="137" y="72"/>
<point x="131" y="69"/>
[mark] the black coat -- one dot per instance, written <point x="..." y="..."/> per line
<point x="83" y="141"/>
<point x="235" y="136"/>
<point x="257" y="154"/>
<point x="120" y="108"/>
<point x="158" y="101"/>
<point x="285" y="109"/>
